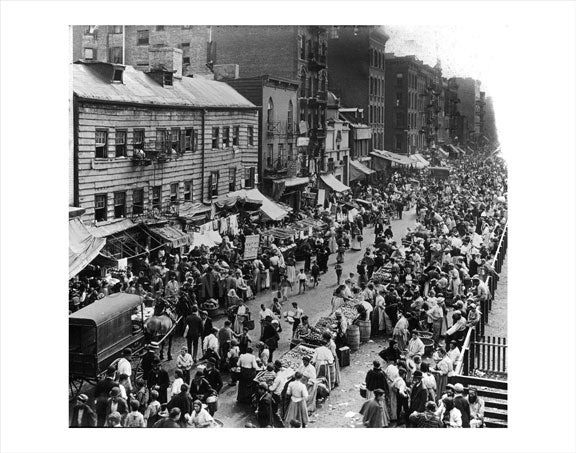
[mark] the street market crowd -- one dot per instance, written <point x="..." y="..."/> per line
<point x="421" y="292"/>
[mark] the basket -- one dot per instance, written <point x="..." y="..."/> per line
<point x="424" y="334"/>
<point x="363" y="391"/>
<point x="249" y="324"/>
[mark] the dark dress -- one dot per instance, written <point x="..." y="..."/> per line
<point x="162" y="380"/>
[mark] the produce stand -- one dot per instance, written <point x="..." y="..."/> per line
<point x="293" y="358"/>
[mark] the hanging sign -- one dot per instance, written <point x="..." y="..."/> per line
<point x="251" y="246"/>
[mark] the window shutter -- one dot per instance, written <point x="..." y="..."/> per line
<point x="183" y="141"/>
<point x="194" y="139"/>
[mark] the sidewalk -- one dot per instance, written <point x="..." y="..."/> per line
<point x="498" y="319"/>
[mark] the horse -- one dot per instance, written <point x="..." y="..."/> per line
<point x="160" y="324"/>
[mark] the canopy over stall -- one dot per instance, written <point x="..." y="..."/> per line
<point x="331" y="181"/>
<point x="386" y="158"/>
<point x="269" y="208"/>
<point x="83" y="247"/>
<point x="171" y="235"/>
<point x="419" y="162"/>
<point x="358" y="170"/>
<point x="442" y="153"/>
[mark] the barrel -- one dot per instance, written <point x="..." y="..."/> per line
<point x="428" y="345"/>
<point x="365" y="330"/>
<point x="353" y="337"/>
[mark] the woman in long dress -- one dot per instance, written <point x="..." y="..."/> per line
<point x="401" y="333"/>
<point x="291" y="268"/>
<point x="322" y="359"/>
<point x="336" y="366"/>
<point x="332" y="244"/>
<point x="297" y="409"/>
<point x="248" y="370"/>
<point x="241" y="316"/>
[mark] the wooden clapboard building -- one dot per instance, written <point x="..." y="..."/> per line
<point x="145" y="143"/>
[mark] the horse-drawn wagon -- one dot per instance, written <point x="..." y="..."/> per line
<point x="99" y="332"/>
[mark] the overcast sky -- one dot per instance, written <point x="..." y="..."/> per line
<point x="464" y="50"/>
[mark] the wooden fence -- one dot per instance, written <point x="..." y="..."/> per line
<point x="488" y="354"/>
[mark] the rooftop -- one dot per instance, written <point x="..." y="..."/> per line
<point x="140" y="88"/>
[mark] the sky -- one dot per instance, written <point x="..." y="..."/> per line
<point x="463" y="50"/>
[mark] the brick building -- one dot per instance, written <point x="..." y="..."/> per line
<point x="287" y="52"/>
<point x="280" y="164"/>
<point x="146" y="142"/>
<point x="130" y="44"/>
<point x="413" y="104"/>
<point x="490" y="129"/>
<point x="356" y="72"/>
<point x="469" y="96"/>
<point x="337" y="142"/>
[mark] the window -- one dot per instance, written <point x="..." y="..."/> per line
<point x="399" y="119"/>
<point x="215" y="134"/>
<point x="270" y="156"/>
<point x="142" y="37"/>
<point x="281" y="153"/>
<point x="175" y="140"/>
<point x="398" y="99"/>
<point x="161" y="140"/>
<point x="302" y="47"/>
<point x="101" y="144"/>
<point x="185" y="60"/>
<point x="119" y="204"/>
<point x="290" y="151"/>
<point x="214" y="177"/>
<point x="90" y="29"/>
<point x="121" y="143"/>
<point x="398" y="142"/>
<point x="399" y="79"/>
<point x="303" y="84"/>
<point x="226" y="137"/>
<point x="250" y="177"/>
<point x="138" y="140"/>
<point x="89" y="54"/>
<point x="270" y="114"/>
<point x="116" y="29"/>
<point x="118" y="75"/>
<point x="137" y="201"/>
<point x="174" y="192"/>
<point x="232" y="179"/>
<point x="157" y="197"/>
<point x="188" y="191"/>
<point x="188" y="139"/>
<point x="100" y="207"/>
<point x="160" y="28"/>
<point x="251" y="135"/>
<point x="115" y="55"/>
<point x="236" y="136"/>
<point x="290" y="119"/>
<point x="167" y="79"/>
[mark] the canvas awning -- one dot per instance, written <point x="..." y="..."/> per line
<point x="461" y="150"/>
<point x="419" y="161"/>
<point x="443" y="153"/>
<point x="83" y="247"/>
<point x="392" y="157"/>
<point x="109" y="228"/>
<point x="269" y="208"/>
<point x="331" y="181"/>
<point x="191" y="209"/>
<point x="291" y="182"/>
<point x="172" y="236"/>
<point x="358" y="170"/>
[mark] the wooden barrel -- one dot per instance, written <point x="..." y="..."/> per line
<point x="365" y="330"/>
<point x="353" y="337"/>
<point x="428" y="345"/>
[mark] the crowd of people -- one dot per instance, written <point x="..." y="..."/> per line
<point x="422" y="292"/>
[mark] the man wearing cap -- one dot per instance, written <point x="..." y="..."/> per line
<point x="148" y="360"/>
<point x="193" y="331"/>
<point x="125" y="367"/>
<point x="426" y="419"/>
<point x="374" y="412"/>
<point x="462" y="404"/>
<point x="159" y="377"/>
<point x="419" y="394"/>
<point x="82" y="415"/>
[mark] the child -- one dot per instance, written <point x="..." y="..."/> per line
<point x="338" y="268"/>
<point x="315" y="272"/>
<point x="284" y="285"/>
<point x="276" y="307"/>
<point x="301" y="282"/>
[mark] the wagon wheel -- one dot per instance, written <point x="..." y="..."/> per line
<point x="75" y="386"/>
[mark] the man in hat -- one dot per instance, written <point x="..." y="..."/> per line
<point x="426" y="419"/>
<point x="265" y="412"/>
<point x="419" y="394"/>
<point x="159" y="379"/>
<point x="473" y="315"/>
<point x="213" y="376"/>
<point x="375" y="379"/>
<point x="116" y="403"/>
<point x="373" y="411"/>
<point x="148" y="359"/>
<point x="102" y="392"/>
<point x="172" y="289"/>
<point x="82" y="415"/>
<point x="193" y="332"/>
<point x="207" y="325"/>
<point x="462" y="404"/>
<point x="125" y="367"/>
<point x="415" y="347"/>
<point x="182" y="401"/>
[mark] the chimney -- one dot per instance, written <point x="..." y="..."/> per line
<point x="166" y="59"/>
<point x="226" y="71"/>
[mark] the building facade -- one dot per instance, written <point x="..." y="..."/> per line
<point x="287" y="52"/>
<point x="469" y="96"/>
<point x="130" y="44"/>
<point x="356" y="72"/>
<point x="146" y="142"/>
<point x="490" y="129"/>
<point x="281" y="168"/>
<point x="337" y="142"/>
<point x="413" y="107"/>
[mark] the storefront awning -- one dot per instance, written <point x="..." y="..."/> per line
<point x="331" y="181"/>
<point x="106" y="229"/>
<point x="358" y="170"/>
<point x="443" y="153"/>
<point x="190" y="209"/>
<point x="172" y="236"/>
<point x="461" y="150"/>
<point x="419" y="161"/>
<point x="392" y="157"/>
<point x="291" y="182"/>
<point x="83" y="247"/>
<point x="269" y="208"/>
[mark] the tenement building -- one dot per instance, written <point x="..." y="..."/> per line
<point x="145" y="142"/>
